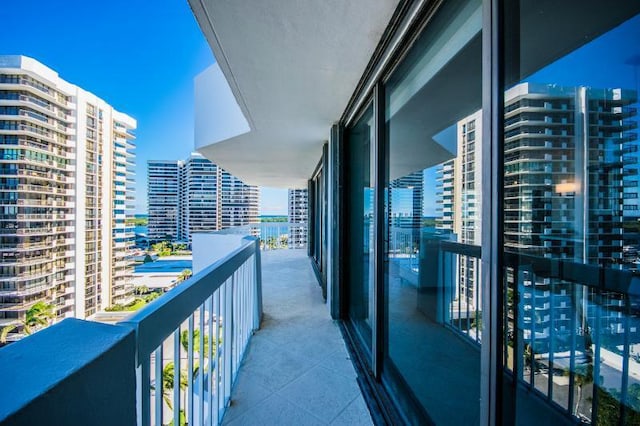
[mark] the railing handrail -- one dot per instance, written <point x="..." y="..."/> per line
<point x="158" y="320"/>
<point x="461" y="248"/>
<point x="594" y="276"/>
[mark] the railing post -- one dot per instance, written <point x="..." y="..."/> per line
<point x="430" y="279"/>
<point x="227" y="345"/>
<point x="257" y="282"/>
<point x="220" y="287"/>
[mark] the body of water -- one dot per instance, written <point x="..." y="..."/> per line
<point x="177" y="266"/>
<point x="141" y="230"/>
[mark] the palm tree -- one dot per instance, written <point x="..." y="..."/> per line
<point x="140" y="290"/>
<point x="184" y="340"/>
<point x="185" y="275"/>
<point x="582" y="376"/>
<point x="168" y="380"/>
<point x="40" y="315"/>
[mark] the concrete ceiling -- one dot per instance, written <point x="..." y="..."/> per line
<point x="291" y="67"/>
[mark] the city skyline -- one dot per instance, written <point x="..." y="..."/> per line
<point x="161" y="101"/>
<point x="195" y="195"/>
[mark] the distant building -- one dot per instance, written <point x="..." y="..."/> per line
<point x="568" y="199"/>
<point x="195" y="195"/>
<point x="67" y="166"/>
<point x="163" y="187"/>
<point x="298" y="217"/>
<point x="239" y="202"/>
<point x="199" y="197"/>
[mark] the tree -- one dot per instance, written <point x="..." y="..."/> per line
<point x="582" y="376"/>
<point x="162" y="248"/>
<point x="40" y="315"/>
<point x="185" y="275"/>
<point x="184" y="340"/>
<point x="168" y="381"/>
<point x="140" y="290"/>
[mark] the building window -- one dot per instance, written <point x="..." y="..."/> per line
<point x="571" y="218"/>
<point x="433" y="312"/>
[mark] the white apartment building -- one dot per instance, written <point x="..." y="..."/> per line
<point x="163" y="195"/>
<point x="195" y="195"/>
<point x="200" y="203"/>
<point x="66" y="185"/>
<point x="460" y="202"/>
<point x="298" y="217"/>
<point x="240" y="202"/>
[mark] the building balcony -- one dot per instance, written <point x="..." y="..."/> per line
<point x="291" y="368"/>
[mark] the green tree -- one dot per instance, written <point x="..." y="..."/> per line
<point x="168" y="382"/>
<point x="140" y="290"/>
<point x="179" y="247"/>
<point x="185" y="275"/>
<point x="40" y="315"/>
<point x="184" y="340"/>
<point x="162" y="248"/>
<point x="271" y="243"/>
<point x="151" y="296"/>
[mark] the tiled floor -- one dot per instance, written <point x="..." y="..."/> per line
<point x="296" y="370"/>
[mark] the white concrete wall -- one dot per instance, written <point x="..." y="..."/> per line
<point x="215" y="104"/>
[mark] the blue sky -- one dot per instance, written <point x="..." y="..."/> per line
<point x="140" y="57"/>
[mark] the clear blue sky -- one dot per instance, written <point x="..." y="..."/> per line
<point x="139" y="56"/>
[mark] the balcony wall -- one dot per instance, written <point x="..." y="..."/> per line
<point x="73" y="372"/>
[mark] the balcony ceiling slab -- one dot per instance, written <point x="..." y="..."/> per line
<point x="289" y="69"/>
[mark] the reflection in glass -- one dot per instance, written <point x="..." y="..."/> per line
<point x="571" y="239"/>
<point x="433" y="185"/>
<point x="360" y="242"/>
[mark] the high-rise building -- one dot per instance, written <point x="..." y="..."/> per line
<point x="66" y="165"/>
<point x="163" y="188"/>
<point x="568" y="199"/>
<point x="460" y="200"/>
<point x="445" y="199"/>
<point x="239" y="202"/>
<point x="298" y="217"/>
<point x="572" y="193"/>
<point x="195" y="195"/>
<point x="199" y="196"/>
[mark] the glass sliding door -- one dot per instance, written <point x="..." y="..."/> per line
<point x="318" y="221"/>
<point x="433" y="221"/>
<point x="360" y="237"/>
<point x="571" y="211"/>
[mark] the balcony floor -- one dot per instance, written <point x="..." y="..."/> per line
<point x="296" y="370"/>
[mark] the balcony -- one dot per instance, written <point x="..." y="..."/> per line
<point x="294" y="369"/>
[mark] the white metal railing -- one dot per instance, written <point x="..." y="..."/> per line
<point x="190" y="342"/>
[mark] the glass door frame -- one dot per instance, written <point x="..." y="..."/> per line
<point x="407" y="24"/>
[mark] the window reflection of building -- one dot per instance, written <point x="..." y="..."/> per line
<point x="566" y="156"/>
